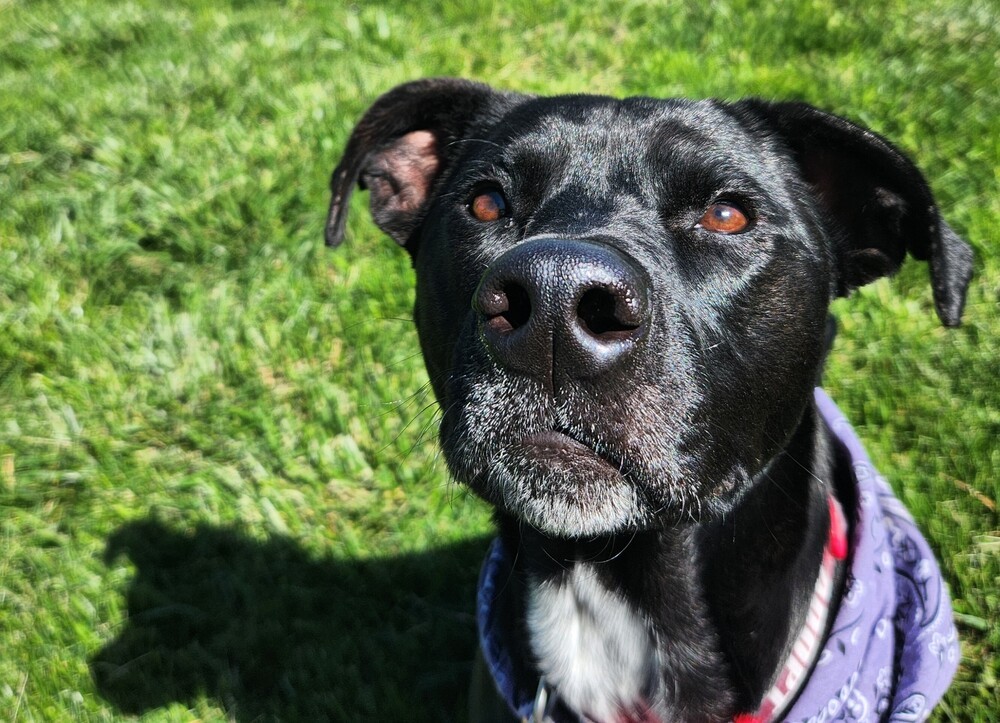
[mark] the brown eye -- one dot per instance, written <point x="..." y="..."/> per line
<point x="724" y="218"/>
<point x="488" y="206"/>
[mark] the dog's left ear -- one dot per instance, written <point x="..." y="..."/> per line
<point x="880" y="200"/>
<point x="400" y="147"/>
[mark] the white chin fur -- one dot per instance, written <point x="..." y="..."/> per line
<point x="583" y="510"/>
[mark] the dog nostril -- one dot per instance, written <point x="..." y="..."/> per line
<point x="606" y="313"/>
<point x="509" y="309"/>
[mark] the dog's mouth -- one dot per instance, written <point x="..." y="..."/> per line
<point x="562" y="484"/>
<point x="588" y="463"/>
<point x="558" y="448"/>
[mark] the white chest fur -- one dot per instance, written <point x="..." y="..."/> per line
<point x="590" y="644"/>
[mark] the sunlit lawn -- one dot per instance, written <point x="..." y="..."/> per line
<point x="220" y="490"/>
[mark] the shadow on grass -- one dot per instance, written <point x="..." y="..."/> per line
<point x="272" y="633"/>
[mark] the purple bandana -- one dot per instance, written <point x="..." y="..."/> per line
<point x="892" y="649"/>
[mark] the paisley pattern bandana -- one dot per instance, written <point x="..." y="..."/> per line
<point x="892" y="649"/>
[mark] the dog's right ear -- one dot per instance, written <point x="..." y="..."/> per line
<point x="399" y="148"/>
<point x="879" y="199"/>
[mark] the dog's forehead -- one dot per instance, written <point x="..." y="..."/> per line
<point x="599" y="138"/>
<point x="585" y="124"/>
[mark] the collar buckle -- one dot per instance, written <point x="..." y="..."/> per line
<point x="545" y="701"/>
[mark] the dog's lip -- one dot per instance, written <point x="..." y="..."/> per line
<point x="552" y="443"/>
<point x="554" y="439"/>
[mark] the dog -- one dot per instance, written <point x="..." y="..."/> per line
<point x="623" y="310"/>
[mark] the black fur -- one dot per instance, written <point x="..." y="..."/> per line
<point x="675" y="436"/>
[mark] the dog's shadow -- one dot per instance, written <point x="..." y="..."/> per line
<point x="270" y="632"/>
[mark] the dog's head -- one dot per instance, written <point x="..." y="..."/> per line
<point x="621" y="303"/>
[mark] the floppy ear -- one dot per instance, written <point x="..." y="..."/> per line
<point x="880" y="200"/>
<point x="399" y="148"/>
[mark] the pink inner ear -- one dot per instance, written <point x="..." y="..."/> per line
<point x="410" y="164"/>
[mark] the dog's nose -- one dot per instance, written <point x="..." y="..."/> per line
<point x="576" y="308"/>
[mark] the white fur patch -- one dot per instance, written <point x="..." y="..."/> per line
<point x="591" y="645"/>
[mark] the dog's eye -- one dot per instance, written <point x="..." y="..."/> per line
<point x="724" y="217"/>
<point x="488" y="206"/>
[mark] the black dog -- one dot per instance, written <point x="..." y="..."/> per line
<point x="622" y="307"/>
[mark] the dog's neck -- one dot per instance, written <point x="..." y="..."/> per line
<point x="693" y="621"/>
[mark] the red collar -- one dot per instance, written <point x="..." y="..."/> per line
<point x="800" y="661"/>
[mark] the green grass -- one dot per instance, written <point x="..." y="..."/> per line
<point x="220" y="491"/>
